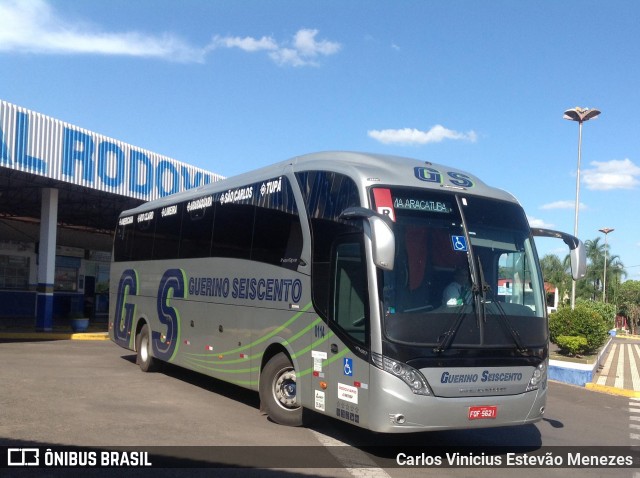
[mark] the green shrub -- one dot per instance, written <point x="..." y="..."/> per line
<point x="584" y="321"/>
<point x="572" y="344"/>
<point x="607" y="311"/>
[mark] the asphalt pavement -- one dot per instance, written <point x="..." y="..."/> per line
<point x="618" y="374"/>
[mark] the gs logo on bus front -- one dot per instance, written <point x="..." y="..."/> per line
<point x="432" y="175"/>
<point x="172" y="285"/>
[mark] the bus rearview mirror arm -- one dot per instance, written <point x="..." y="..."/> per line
<point x="577" y="250"/>
<point x="382" y="237"/>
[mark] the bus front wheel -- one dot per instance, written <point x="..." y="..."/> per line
<point x="143" y="346"/>
<point x="278" y="385"/>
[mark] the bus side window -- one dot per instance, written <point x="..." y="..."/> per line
<point x="233" y="229"/>
<point x="167" y="240"/>
<point x="145" y="230"/>
<point x="123" y="242"/>
<point x="277" y="233"/>
<point x="350" y="290"/>
<point x="197" y="228"/>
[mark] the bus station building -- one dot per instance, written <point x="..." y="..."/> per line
<point x="62" y="189"/>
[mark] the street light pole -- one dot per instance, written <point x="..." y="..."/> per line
<point x="605" y="231"/>
<point x="580" y="115"/>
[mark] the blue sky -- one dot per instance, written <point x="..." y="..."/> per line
<point x="233" y="85"/>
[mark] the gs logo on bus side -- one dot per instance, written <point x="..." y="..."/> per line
<point x="172" y="285"/>
<point x="125" y="311"/>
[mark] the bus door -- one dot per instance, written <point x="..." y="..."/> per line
<point x="346" y="374"/>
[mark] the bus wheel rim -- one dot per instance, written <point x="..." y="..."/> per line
<point x="284" y="389"/>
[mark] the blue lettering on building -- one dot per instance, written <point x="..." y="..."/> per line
<point x="22" y="158"/>
<point x="97" y="162"/>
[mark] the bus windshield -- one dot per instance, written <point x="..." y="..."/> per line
<point x="455" y="288"/>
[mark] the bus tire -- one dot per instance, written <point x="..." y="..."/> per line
<point x="278" y="395"/>
<point x="143" y="347"/>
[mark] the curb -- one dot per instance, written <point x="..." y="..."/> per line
<point x="53" y="336"/>
<point x="612" y="390"/>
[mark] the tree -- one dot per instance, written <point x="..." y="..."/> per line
<point x="591" y="286"/>
<point x="556" y="273"/>
<point x="629" y="302"/>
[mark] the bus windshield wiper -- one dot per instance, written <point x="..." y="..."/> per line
<point x="502" y="315"/>
<point x="449" y="334"/>
<point x="475" y="288"/>
<point x="504" y="320"/>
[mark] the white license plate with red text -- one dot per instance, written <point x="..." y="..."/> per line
<point x="484" y="412"/>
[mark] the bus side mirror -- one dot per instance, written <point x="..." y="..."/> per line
<point x="384" y="243"/>
<point x="578" y="261"/>
<point x="383" y="239"/>
<point x="577" y="252"/>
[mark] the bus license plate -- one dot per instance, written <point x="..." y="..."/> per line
<point x="479" y="413"/>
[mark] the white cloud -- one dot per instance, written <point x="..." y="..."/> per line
<point x="304" y="50"/>
<point x="305" y="43"/>
<point x="535" y="222"/>
<point x="32" y="26"/>
<point x="414" y="136"/>
<point x="563" y="205"/>
<point x="248" y="44"/>
<point x="614" y="174"/>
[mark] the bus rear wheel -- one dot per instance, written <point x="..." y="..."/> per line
<point x="278" y="391"/>
<point x="143" y="347"/>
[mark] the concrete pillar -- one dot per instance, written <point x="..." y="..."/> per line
<point x="47" y="259"/>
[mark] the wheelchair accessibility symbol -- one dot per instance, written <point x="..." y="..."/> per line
<point x="348" y="367"/>
<point x="459" y="243"/>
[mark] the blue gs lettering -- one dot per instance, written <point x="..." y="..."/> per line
<point x="125" y="311"/>
<point x="172" y="285"/>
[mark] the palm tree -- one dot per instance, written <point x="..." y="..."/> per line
<point x="595" y="257"/>
<point x="556" y="272"/>
<point x="595" y="251"/>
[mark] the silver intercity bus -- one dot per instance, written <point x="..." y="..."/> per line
<point x="394" y="294"/>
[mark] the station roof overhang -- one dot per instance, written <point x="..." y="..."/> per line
<point x="86" y="217"/>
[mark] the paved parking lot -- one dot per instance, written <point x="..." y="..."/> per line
<point x="92" y="394"/>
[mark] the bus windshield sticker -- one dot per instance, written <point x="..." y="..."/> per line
<point x="426" y="205"/>
<point x="384" y="203"/>
<point x="459" y="243"/>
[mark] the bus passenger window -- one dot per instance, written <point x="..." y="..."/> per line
<point x="233" y="230"/>
<point x="277" y="233"/>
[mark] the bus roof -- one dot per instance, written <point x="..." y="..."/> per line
<point x="366" y="169"/>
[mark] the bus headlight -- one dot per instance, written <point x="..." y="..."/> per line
<point x="539" y="377"/>
<point x="409" y="375"/>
